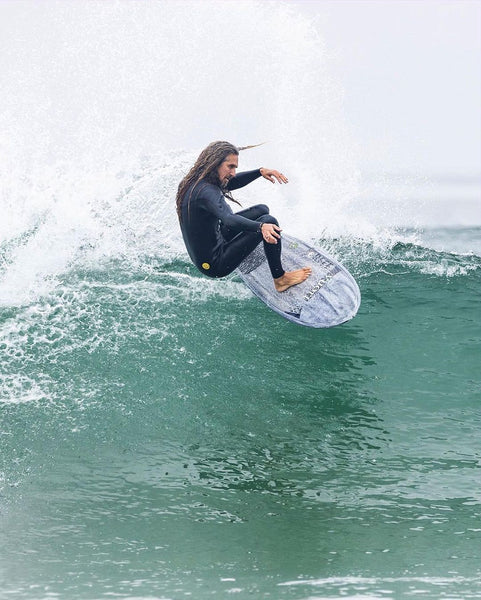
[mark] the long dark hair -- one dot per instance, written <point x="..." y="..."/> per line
<point x="205" y="168"/>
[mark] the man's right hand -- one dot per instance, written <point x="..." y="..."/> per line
<point x="270" y="233"/>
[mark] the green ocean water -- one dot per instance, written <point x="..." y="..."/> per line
<point x="167" y="436"/>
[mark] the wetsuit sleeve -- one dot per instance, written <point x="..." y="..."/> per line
<point x="242" y="179"/>
<point x="213" y="201"/>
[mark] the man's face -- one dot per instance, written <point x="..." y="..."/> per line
<point x="227" y="169"/>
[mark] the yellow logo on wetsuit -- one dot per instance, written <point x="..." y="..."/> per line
<point x="206" y="266"/>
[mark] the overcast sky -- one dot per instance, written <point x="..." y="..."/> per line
<point x="410" y="69"/>
<point x="411" y="72"/>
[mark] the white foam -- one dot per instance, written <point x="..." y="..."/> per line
<point x="97" y="98"/>
<point x="17" y="388"/>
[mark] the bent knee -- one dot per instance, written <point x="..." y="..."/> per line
<point x="263" y="209"/>
<point x="269" y="219"/>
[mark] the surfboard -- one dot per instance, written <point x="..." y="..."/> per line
<point x="329" y="297"/>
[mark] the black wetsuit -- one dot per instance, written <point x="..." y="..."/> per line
<point x="218" y="239"/>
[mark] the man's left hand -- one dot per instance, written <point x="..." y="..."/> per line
<point x="272" y="175"/>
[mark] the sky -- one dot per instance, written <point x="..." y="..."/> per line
<point x="411" y="75"/>
<point x="410" y="70"/>
<point x="387" y="88"/>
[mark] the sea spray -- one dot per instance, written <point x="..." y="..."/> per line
<point x="105" y="106"/>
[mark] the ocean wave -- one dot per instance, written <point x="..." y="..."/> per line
<point x="103" y="311"/>
<point x="400" y="253"/>
<point x="99" y="151"/>
<point x="35" y="263"/>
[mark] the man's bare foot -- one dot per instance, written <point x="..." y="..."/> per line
<point x="292" y="278"/>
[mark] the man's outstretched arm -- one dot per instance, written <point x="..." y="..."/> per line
<point x="246" y="177"/>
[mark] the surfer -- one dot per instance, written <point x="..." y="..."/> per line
<point x="216" y="238"/>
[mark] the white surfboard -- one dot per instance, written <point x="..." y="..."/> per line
<point x="329" y="297"/>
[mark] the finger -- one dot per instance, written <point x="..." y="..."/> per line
<point x="281" y="178"/>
